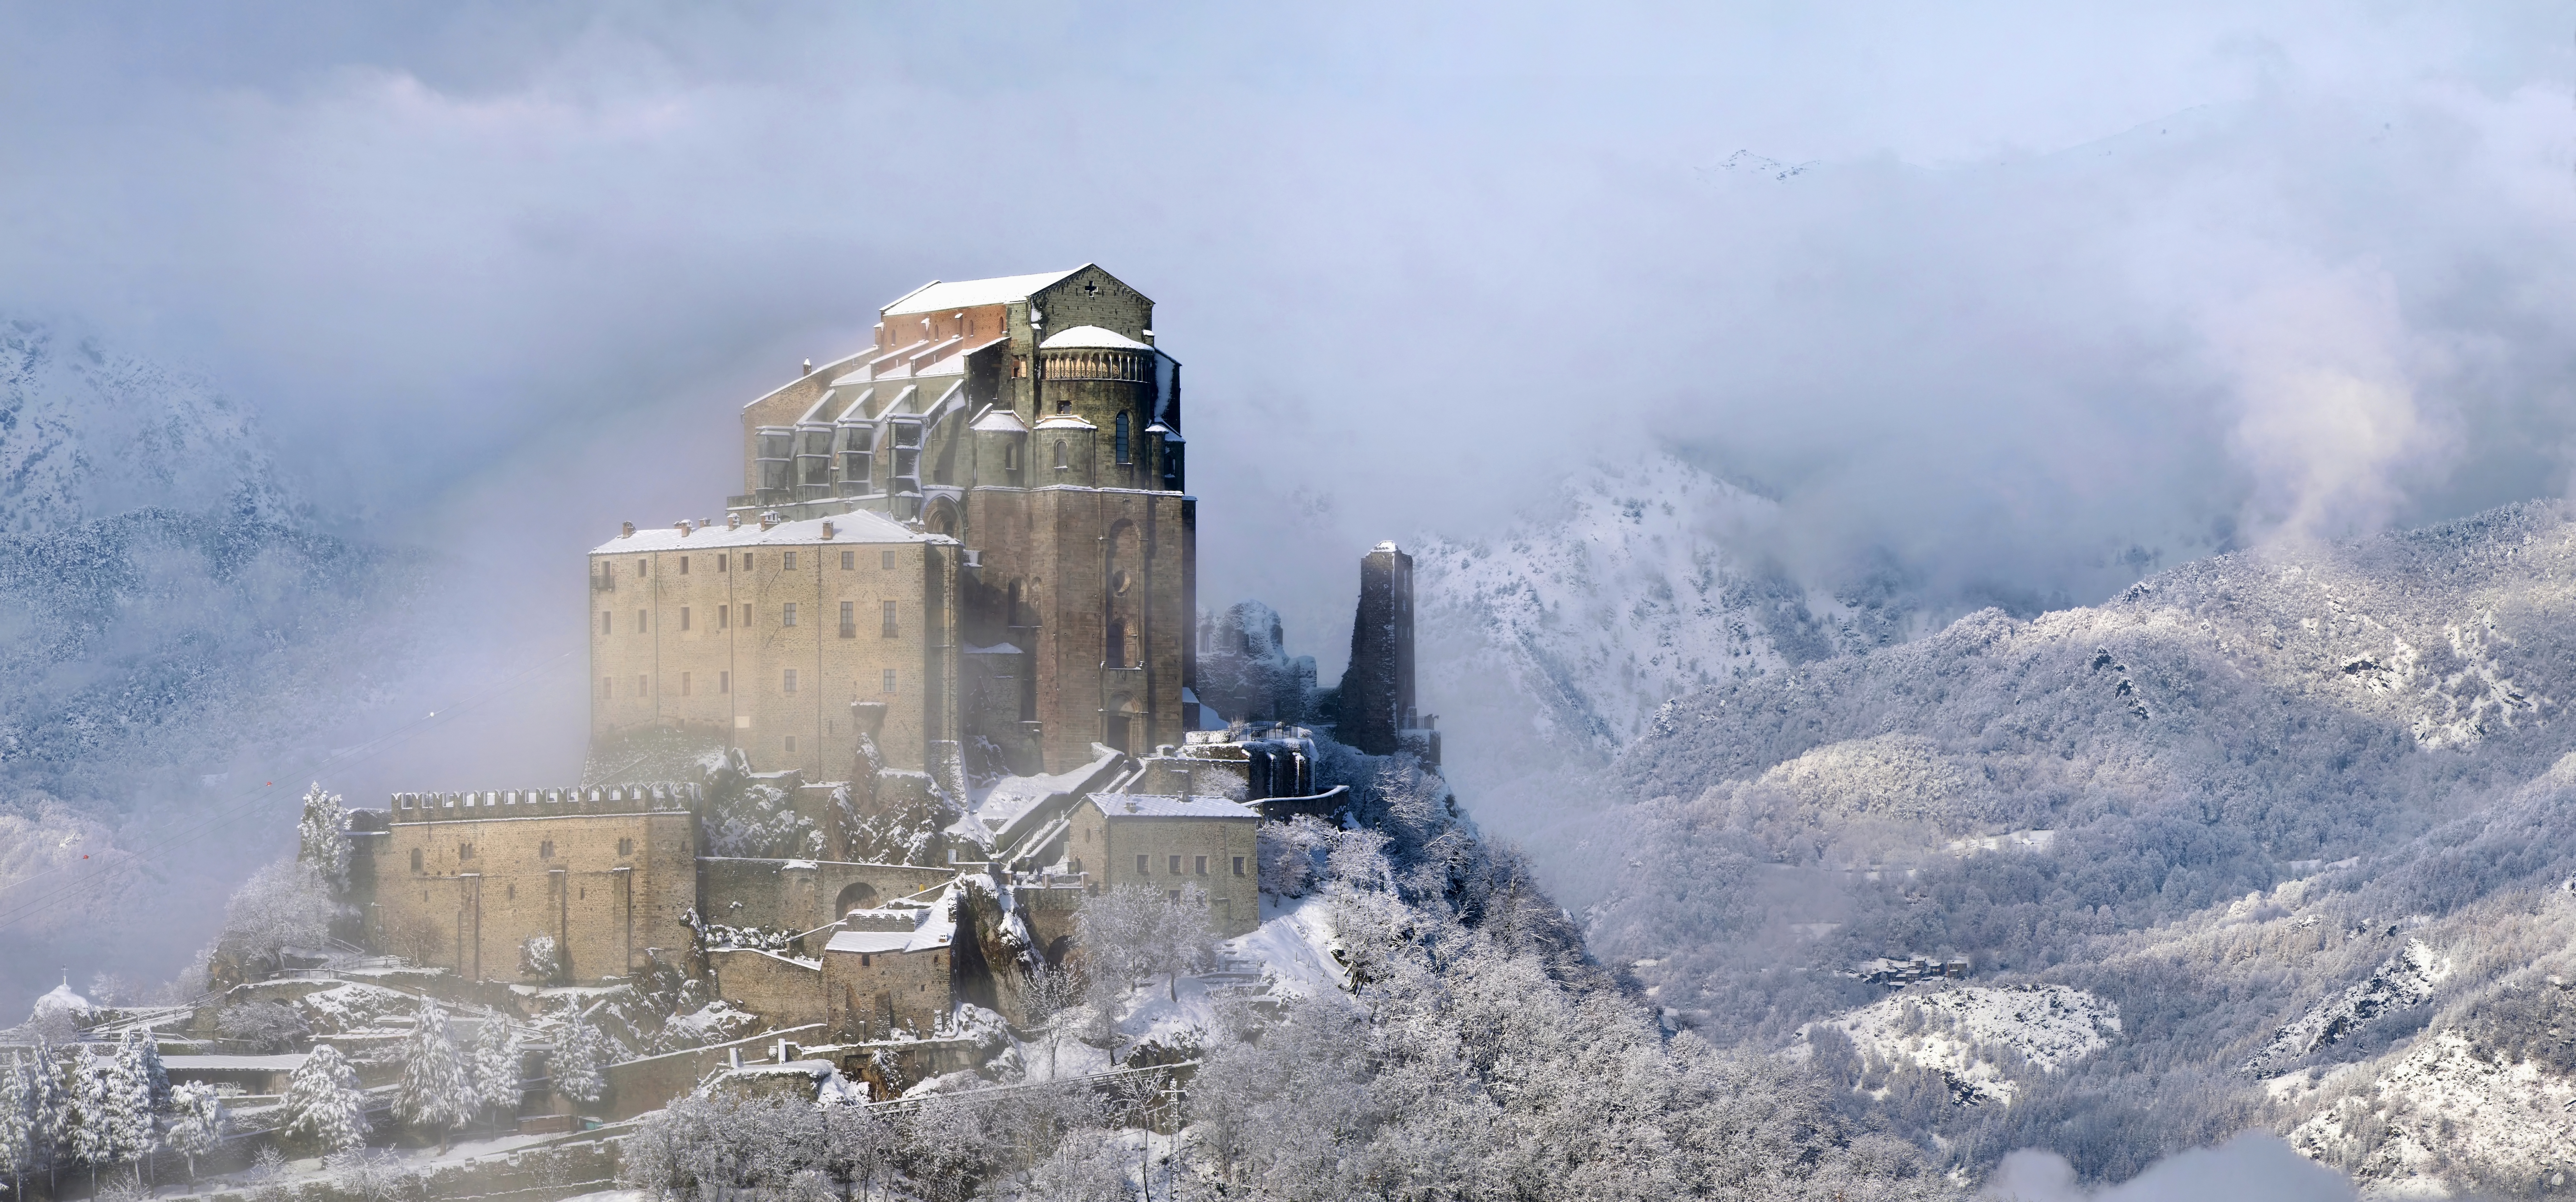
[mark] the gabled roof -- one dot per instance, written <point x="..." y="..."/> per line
<point x="1000" y="421"/>
<point x="1156" y="805"/>
<point x="1091" y="337"/>
<point x="966" y="294"/>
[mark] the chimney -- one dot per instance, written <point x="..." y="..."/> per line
<point x="827" y="529"/>
<point x="628" y="531"/>
<point x="682" y="526"/>
<point x="733" y="521"/>
<point x="768" y="518"/>
<point x="809" y="368"/>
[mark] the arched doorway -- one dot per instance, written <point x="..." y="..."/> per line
<point x="857" y="895"/>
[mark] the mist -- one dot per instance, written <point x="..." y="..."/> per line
<point x="2027" y="303"/>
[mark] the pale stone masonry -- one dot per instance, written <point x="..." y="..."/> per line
<point x="1169" y="844"/>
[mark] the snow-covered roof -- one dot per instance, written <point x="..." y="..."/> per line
<point x="858" y="526"/>
<point x="1159" y="805"/>
<point x="966" y="294"/>
<point x="995" y="649"/>
<point x="868" y="941"/>
<point x="234" y="1064"/>
<point x="61" y="997"/>
<point x="1169" y="434"/>
<point x="1001" y="421"/>
<point x="1064" y="421"/>
<point x="1091" y="337"/>
<point x="934" y="931"/>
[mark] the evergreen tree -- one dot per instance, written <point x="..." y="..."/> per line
<point x="126" y="1126"/>
<point x="17" y="1123"/>
<point x="155" y="1074"/>
<point x="496" y="1068"/>
<point x="51" y="1116"/>
<point x="437" y="1090"/>
<point x="196" y="1122"/>
<point x="581" y="1060"/>
<point x="324" y="1103"/>
<point x="322" y="839"/>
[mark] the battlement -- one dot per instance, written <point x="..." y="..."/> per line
<point x="543" y="803"/>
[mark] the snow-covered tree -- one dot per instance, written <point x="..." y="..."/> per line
<point x="156" y="1076"/>
<point x="197" y="1119"/>
<point x="17" y="1123"/>
<point x="1134" y="931"/>
<point x="322" y="839"/>
<point x="580" y="1064"/>
<point x="324" y="1104"/>
<point x="112" y="1117"/>
<point x="437" y="1089"/>
<point x="49" y="1108"/>
<point x="496" y="1068"/>
<point x="129" y="1095"/>
<point x="286" y="904"/>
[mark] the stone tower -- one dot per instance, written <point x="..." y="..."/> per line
<point x="1375" y="702"/>
<point x="1014" y="446"/>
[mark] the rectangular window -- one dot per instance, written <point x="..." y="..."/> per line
<point x="684" y="684"/>
<point x="885" y="560"/>
<point x="746" y="615"/>
<point x="788" y="564"/>
<point x="643" y="567"/>
<point x="415" y="863"/>
<point x="626" y="847"/>
<point x="1140" y="866"/>
<point x="684" y="565"/>
<point x="789" y="684"/>
<point x="723" y="562"/>
<point x="790" y="619"/>
<point x="643" y="685"/>
<point x="746" y="561"/>
<point x="1238" y="866"/>
<point x="603" y="621"/>
<point x="849" y="560"/>
<point x="545" y="849"/>
<point x="791" y="744"/>
<point x="1176" y="866"/>
<point x="889" y="620"/>
<point x="724" y="682"/>
<point x="639" y="621"/>
<point x="724" y="617"/>
<point x="465" y="851"/>
<point x="849" y="619"/>
<point x="1199" y="866"/>
<point x="684" y="617"/>
<point x="889" y="680"/>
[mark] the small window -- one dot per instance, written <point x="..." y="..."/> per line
<point x="643" y="567"/>
<point x="885" y="560"/>
<point x="849" y="561"/>
<point x="790" y="619"/>
<point x="849" y="619"/>
<point x="865" y="960"/>
<point x="1238" y="866"/>
<point x="415" y="859"/>
<point x="1123" y="454"/>
<point x="890" y="630"/>
<point x="788" y="563"/>
<point x="723" y="562"/>
<point x="724" y="617"/>
<point x="1141" y="861"/>
<point x="603" y="621"/>
<point x="545" y="849"/>
<point x="724" y="682"/>
<point x="684" y="565"/>
<point x="1061" y="462"/>
<point x="1199" y="866"/>
<point x="788" y="685"/>
<point x="889" y="680"/>
<point x="791" y="744"/>
<point x="1176" y="866"/>
<point x="639" y="621"/>
<point x="643" y="685"/>
<point x="684" y="617"/>
<point x="684" y="684"/>
<point x="746" y="561"/>
<point x="746" y="615"/>
<point x="465" y="851"/>
<point x="626" y="847"/>
<point x="510" y="891"/>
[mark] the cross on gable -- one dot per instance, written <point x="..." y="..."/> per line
<point x="1091" y="289"/>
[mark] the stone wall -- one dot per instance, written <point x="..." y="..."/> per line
<point x="1216" y="855"/>
<point x="801" y="895"/>
<point x="872" y="995"/>
<point x="784" y="992"/>
<point x="636" y="1086"/>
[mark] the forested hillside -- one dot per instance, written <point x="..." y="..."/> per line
<point x="2280" y="812"/>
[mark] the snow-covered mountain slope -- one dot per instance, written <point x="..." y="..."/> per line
<point x="1983" y="1042"/>
<point x="2302" y="808"/>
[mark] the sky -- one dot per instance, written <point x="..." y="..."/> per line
<point x="2027" y="299"/>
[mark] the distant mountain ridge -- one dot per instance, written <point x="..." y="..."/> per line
<point x="2275" y="786"/>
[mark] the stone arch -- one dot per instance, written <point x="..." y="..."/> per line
<point x="857" y="895"/>
<point x="941" y="517"/>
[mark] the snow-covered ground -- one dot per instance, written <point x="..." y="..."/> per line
<point x="1959" y="1032"/>
<point x="2412" y="1122"/>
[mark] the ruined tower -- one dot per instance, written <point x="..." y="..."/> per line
<point x="1375" y="703"/>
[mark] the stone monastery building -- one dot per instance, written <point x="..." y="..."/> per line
<point x="970" y="534"/>
<point x="957" y="588"/>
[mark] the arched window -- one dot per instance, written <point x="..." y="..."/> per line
<point x="1116" y="656"/>
<point x="1124" y="455"/>
<point x="1061" y="462"/>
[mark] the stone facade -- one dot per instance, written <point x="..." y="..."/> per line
<point x="1011" y="449"/>
<point x="1169" y="843"/>
<point x="467" y="879"/>
<point x="888" y="973"/>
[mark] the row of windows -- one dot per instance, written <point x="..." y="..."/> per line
<point x="786" y="561"/>
<point x="887" y="625"/>
<point x="1198" y="865"/>
<point x="724" y="683"/>
<point x="545" y="847"/>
